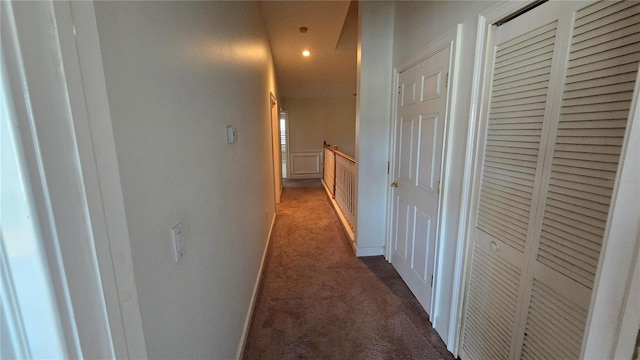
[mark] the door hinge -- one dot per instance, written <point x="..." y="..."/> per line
<point x="388" y="166"/>
<point x="446" y="81"/>
<point x="431" y="280"/>
<point x="438" y="188"/>
<point x="399" y="89"/>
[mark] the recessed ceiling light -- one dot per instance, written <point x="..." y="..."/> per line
<point x="306" y="53"/>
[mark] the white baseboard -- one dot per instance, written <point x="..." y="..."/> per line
<point x="254" y="295"/>
<point x="370" y="251"/>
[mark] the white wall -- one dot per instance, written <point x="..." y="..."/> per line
<point x="177" y="74"/>
<point x="375" y="45"/>
<point x="314" y="120"/>
<point x="415" y="25"/>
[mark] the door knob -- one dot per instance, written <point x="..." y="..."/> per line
<point x="394" y="184"/>
<point x="494" y="246"/>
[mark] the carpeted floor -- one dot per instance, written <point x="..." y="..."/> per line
<point x="318" y="301"/>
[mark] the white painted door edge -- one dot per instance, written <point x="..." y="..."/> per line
<point x="485" y="19"/>
<point x="89" y="249"/>
<point x="619" y="252"/>
<point x="107" y="208"/>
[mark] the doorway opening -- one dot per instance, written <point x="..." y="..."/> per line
<point x="284" y="144"/>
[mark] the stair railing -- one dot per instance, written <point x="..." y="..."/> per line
<point x="340" y="180"/>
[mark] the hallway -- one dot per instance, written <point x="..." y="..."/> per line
<point x="318" y="301"/>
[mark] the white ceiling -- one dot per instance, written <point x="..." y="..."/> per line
<point x="330" y="71"/>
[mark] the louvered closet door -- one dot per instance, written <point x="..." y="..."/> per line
<point x="510" y="175"/>
<point x="582" y="162"/>
<point x="562" y="79"/>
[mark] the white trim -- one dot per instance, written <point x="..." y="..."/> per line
<point x="48" y="89"/>
<point x="462" y="248"/>
<point x="390" y="166"/>
<point x="86" y="158"/>
<point x="430" y="49"/>
<point x="502" y="9"/>
<point x="628" y="330"/>
<point x="104" y="190"/>
<point x="254" y="295"/>
<point x="20" y="128"/>
<point x="22" y="105"/>
<point x="454" y="41"/>
<point x="370" y="251"/>
<point x="619" y="249"/>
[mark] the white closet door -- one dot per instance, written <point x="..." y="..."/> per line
<point x="519" y="106"/>
<point x="561" y="83"/>
<point x="582" y="165"/>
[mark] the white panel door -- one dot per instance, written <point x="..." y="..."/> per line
<point x="420" y="122"/>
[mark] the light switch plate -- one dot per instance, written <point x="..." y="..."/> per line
<point x="177" y="236"/>
<point x="232" y="134"/>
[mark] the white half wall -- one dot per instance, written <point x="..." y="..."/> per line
<point x="373" y="111"/>
<point x="177" y="73"/>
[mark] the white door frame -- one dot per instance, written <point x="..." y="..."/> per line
<point x="105" y="193"/>
<point x="449" y="39"/>
<point x="75" y="146"/>
<point x="620" y="247"/>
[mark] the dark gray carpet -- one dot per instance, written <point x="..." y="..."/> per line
<point x="318" y="301"/>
